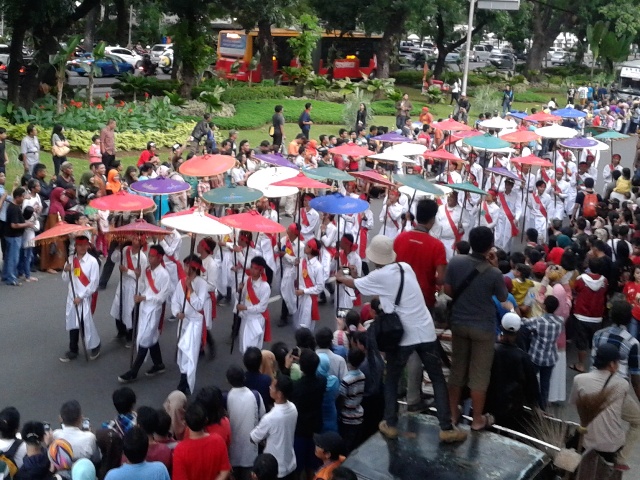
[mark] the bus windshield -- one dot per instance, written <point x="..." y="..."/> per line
<point x="629" y="80"/>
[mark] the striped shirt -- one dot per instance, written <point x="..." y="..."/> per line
<point x="352" y="390"/>
<point x="626" y="344"/>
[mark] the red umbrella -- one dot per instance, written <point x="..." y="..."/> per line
<point x="61" y="230"/>
<point x="441" y="154"/>
<point x="300" y="181"/>
<point x="451" y="126"/>
<point x="122" y="202"/>
<point x="136" y="229"/>
<point x="207" y="165"/>
<point x="532" y="160"/>
<point x="252" y="222"/>
<point x="351" y="150"/>
<point x="542" y="117"/>
<point x="374" y="177"/>
<point x="521" y="136"/>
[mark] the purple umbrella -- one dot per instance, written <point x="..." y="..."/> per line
<point x="275" y="159"/>
<point x="392" y="137"/>
<point x="579" y="142"/>
<point x="504" y="172"/>
<point x="160" y="186"/>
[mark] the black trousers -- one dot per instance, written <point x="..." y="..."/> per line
<point x="108" y="160"/>
<point x="107" y="270"/>
<point x="156" y="357"/>
<point x="74" y="339"/>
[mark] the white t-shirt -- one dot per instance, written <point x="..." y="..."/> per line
<point x="244" y="415"/>
<point x="18" y="458"/>
<point x="278" y="427"/>
<point x="414" y="315"/>
<point x="83" y="443"/>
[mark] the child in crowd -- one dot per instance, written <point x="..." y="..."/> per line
<point x="28" y="244"/>
<point x="94" y="150"/>
<point x="350" y="399"/>
<point x="521" y="282"/>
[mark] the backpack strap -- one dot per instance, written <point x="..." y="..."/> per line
<point x="399" y="295"/>
<point x="11" y="452"/>
<point x="480" y="268"/>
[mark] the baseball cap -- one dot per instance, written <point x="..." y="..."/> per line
<point x="330" y="442"/>
<point x="511" y="322"/>
<point x="606" y="354"/>
<point x="150" y="145"/>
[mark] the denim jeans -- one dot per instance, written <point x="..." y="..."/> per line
<point x="11" y="259"/>
<point x="26" y="257"/>
<point x="545" y="381"/>
<point x="432" y="363"/>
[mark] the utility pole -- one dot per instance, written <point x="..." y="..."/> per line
<point x="465" y="74"/>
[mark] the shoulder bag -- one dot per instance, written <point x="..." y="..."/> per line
<point x="387" y="327"/>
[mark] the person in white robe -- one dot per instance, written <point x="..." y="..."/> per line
<point x="253" y="307"/>
<point x="608" y="170"/>
<point x="81" y="273"/>
<point x="223" y="256"/>
<point x="291" y="249"/>
<point x="348" y="259"/>
<point x="266" y="243"/>
<point x="310" y="286"/>
<point x="451" y="175"/>
<point x="308" y="218"/>
<point x="508" y="226"/>
<point x="452" y="224"/>
<point x="486" y="212"/>
<point x="539" y="204"/>
<point x="171" y="245"/>
<point x="390" y="215"/>
<point x="205" y="249"/>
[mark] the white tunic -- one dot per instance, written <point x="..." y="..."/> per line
<point x="442" y="228"/>
<point x="191" y="334"/>
<point x="210" y="276"/>
<point x="535" y="218"/>
<point x="303" y="314"/>
<point x="391" y="227"/>
<point x="289" y="274"/>
<point x="223" y="256"/>
<point x="128" y="286"/>
<point x="502" y="234"/>
<point x="151" y="308"/>
<point x="607" y="177"/>
<point x="91" y="269"/>
<point x="252" y="322"/>
<point x="347" y="295"/>
<point x="327" y="248"/>
<point x="265" y="246"/>
<point x="309" y="231"/>
<point x="171" y="244"/>
<point x="494" y="213"/>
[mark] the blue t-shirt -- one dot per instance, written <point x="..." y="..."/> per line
<point x="144" y="470"/>
<point x="500" y="311"/>
<point x="590" y="93"/>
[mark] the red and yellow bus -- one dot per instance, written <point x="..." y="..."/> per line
<point x="354" y="53"/>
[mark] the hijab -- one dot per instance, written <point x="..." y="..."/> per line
<point x="175" y="405"/>
<point x="113" y="185"/>
<point x="323" y="371"/>
<point x="83" y="469"/>
<point x="268" y="365"/>
<point x="56" y="207"/>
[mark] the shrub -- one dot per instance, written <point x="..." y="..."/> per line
<point x="476" y="80"/>
<point x="151" y="85"/>
<point x="450" y="77"/>
<point x="239" y="94"/>
<point x="408" y="78"/>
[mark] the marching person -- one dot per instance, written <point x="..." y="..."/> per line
<point x="310" y="285"/>
<point x="129" y="258"/>
<point x="559" y="189"/>
<point x="365" y="224"/>
<point x="452" y="223"/>
<point x="539" y="203"/>
<point x="348" y="258"/>
<point x="451" y="175"/>
<point x="510" y="203"/>
<point x="224" y="259"/>
<point x="390" y="214"/>
<point x="290" y="246"/>
<point x="608" y="170"/>
<point x="187" y="303"/>
<point x="253" y="307"/>
<point x="154" y="291"/>
<point x="328" y="240"/>
<point x="266" y="243"/>
<point x="83" y="270"/>
<point x="171" y="245"/>
<point x="205" y="249"/>
<point x="309" y="219"/>
<point x="488" y="210"/>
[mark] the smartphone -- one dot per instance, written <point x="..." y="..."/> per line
<point x="47" y="426"/>
<point x="86" y="424"/>
<point x="342" y="312"/>
<point x="345" y="270"/>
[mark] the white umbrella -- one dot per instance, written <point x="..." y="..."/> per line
<point x="556" y="132"/>
<point x="498" y="123"/>
<point x="419" y="193"/>
<point x="263" y="180"/>
<point x="196" y="222"/>
<point x="407" y="149"/>
<point x="390" y="156"/>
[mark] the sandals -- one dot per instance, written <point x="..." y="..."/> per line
<point x="574" y="367"/>
<point x="489" y="421"/>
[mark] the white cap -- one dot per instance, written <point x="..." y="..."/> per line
<point x="511" y="322"/>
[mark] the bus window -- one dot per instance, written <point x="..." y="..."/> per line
<point x="232" y="44"/>
<point x="363" y="48"/>
<point x="282" y="51"/>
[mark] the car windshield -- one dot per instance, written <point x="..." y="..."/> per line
<point x="158" y="48"/>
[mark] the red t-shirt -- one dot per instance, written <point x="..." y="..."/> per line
<point x="632" y="292"/>
<point x="424" y="253"/>
<point x="145" y="156"/>
<point x="202" y="458"/>
<point x="223" y="429"/>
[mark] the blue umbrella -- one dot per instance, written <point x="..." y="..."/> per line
<point x="275" y="159"/>
<point x="569" y="113"/>
<point x="338" y="204"/>
<point x="518" y="115"/>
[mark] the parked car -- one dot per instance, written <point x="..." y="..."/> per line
<point x="127" y="55"/>
<point x="481" y="53"/>
<point x="560" y="58"/>
<point x="4" y="69"/>
<point x="453" y="57"/>
<point x="502" y="61"/>
<point x="111" y="66"/>
<point x="158" y="49"/>
<point x="166" y="61"/>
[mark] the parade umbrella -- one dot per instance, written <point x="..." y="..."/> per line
<point x="442" y="154"/>
<point x="264" y="179"/>
<point x="579" y="143"/>
<point x="374" y="177"/>
<point x="497" y="123"/>
<point x="62" y="230"/>
<point x="330" y="173"/>
<point x="556" y="132"/>
<point x="569" y="113"/>
<point x="252" y="221"/>
<point x="195" y="222"/>
<point x="533" y="161"/>
<point x="520" y="136"/>
<point x="611" y="135"/>
<point x="122" y="202"/>
<point x="466" y="134"/>
<point x="503" y="172"/>
<point x="160" y="186"/>
<point x="466" y="187"/>
<point x="418" y="183"/>
<point x="390" y="156"/>
<point x="451" y="125"/>
<point x="236" y="195"/>
<point x="275" y="159"/>
<point x="351" y="150"/>
<point x="486" y="142"/>
<point x="518" y="115"/>
<point x="338" y="204"/>
<point x="392" y="137"/>
<point x="542" y="117"/>
<point x="207" y="165"/>
<point x="407" y="149"/>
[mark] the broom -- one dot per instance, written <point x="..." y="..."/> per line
<point x="589" y="406"/>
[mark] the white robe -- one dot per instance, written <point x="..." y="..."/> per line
<point x="224" y="262"/>
<point x="393" y="214"/>
<point x="347" y="295"/>
<point x="444" y="177"/>
<point x="171" y="244"/>
<point x="442" y="229"/>
<point x="265" y="247"/>
<point x="252" y="322"/>
<point x="289" y="274"/>
<point x="535" y="218"/>
<point x="191" y="334"/>
<point x="309" y="231"/>
<point x="327" y="246"/>
<point x="210" y="276"/>
<point x="559" y="199"/>
<point x="494" y="213"/>
<point x="91" y="269"/>
<point x="607" y="177"/>
<point x="151" y="308"/>
<point x="502" y="234"/>
<point x="128" y="286"/>
<point x="303" y="314"/>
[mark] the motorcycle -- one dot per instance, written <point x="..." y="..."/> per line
<point x="166" y="61"/>
<point x="148" y="68"/>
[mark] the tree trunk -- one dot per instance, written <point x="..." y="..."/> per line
<point x="122" y="22"/>
<point x="90" y="87"/>
<point x="60" y="86"/>
<point x="18" y="32"/>
<point x="265" y="40"/>
<point x="393" y="29"/>
<point x="90" y="28"/>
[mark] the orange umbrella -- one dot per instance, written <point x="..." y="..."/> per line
<point x="441" y="154"/>
<point x="521" y="136"/>
<point x="532" y="160"/>
<point x="122" y="202"/>
<point x="542" y="117"/>
<point x="62" y="230"/>
<point x="451" y="125"/>
<point x="207" y="165"/>
<point x="374" y="177"/>
<point x="300" y="181"/>
<point x="351" y="150"/>
<point x="137" y="229"/>
<point x="252" y="222"/>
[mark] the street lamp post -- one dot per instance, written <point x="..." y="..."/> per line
<point x="465" y="74"/>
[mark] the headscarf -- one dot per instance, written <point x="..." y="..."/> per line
<point x="323" y="371"/>
<point x="85" y="180"/>
<point x="563" y="241"/>
<point x="269" y="366"/>
<point x="112" y="184"/>
<point x="56" y="206"/>
<point x="60" y="454"/>
<point x="175" y="405"/>
<point x="83" y="469"/>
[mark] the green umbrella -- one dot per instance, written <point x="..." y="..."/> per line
<point x="611" y="135"/>
<point x="466" y="187"/>
<point x="330" y="173"/>
<point x="486" y="142"/>
<point x="232" y="195"/>
<point x="418" y="183"/>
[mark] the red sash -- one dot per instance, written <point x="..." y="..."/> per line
<point x="150" y="281"/>
<point x="509" y="213"/>
<point x="129" y="260"/>
<point x="288" y="248"/>
<point x="303" y="217"/>
<point x="315" y="312"/>
<point x="543" y="210"/>
<point x="77" y="271"/>
<point x="214" y="311"/>
<point x="485" y="209"/>
<point x="344" y="262"/>
<point x="452" y="224"/>
<point x="449" y="178"/>
<point x="179" y="268"/>
<point x="263" y="275"/>
<point x="362" y="240"/>
<point x="253" y="298"/>
<point x="395" y="223"/>
<point x="545" y="175"/>
<point x="274" y="239"/>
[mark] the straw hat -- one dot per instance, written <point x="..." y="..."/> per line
<point x="380" y="250"/>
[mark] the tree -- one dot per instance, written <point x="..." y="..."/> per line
<point x="302" y="47"/>
<point x="94" y="70"/>
<point x="59" y="62"/>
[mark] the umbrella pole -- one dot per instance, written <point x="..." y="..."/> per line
<point x="338" y="266"/>
<point x="236" y="318"/>
<point x="555" y="146"/>
<point x="298" y="256"/>
<point x="524" y="213"/>
<point x="184" y="300"/>
<point x="386" y="214"/>
<point x="464" y="204"/>
<point x="134" y="319"/>
<point x="410" y="203"/>
<point x="121" y="286"/>
<point x="279" y="247"/>
<point x="79" y="317"/>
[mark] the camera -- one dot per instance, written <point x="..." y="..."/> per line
<point x="47" y="426"/>
<point x="86" y="424"/>
<point x="345" y="270"/>
<point x="342" y="312"/>
<point x="295" y="351"/>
